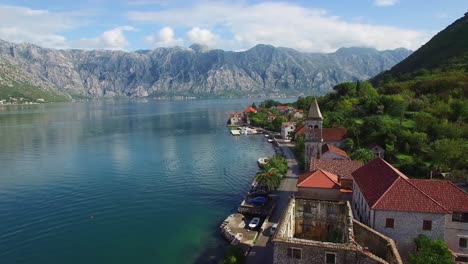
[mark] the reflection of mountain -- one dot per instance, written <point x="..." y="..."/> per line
<point x="197" y="70"/>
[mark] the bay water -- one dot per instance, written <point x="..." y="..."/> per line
<point x="121" y="181"/>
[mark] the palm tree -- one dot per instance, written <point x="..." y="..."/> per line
<point x="271" y="178"/>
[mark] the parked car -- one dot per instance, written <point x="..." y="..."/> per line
<point x="273" y="229"/>
<point x="260" y="200"/>
<point x="254" y="222"/>
<point x="258" y="193"/>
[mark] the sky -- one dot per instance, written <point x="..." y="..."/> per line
<point x="308" y="25"/>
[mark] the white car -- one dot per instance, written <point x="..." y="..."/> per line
<point x="273" y="228"/>
<point x="254" y="222"/>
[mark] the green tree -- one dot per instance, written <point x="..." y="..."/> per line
<point x="395" y="105"/>
<point x="299" y="150"/>
<point x="448" y="154"/>
<point x="278" y="162"/>
<point x="363" y="155"/>
<point x="254" y="105"/>
<point x="276" y="124"/>
<point x="345" y="89"/>
<point x="430" y="251"/>
<point x="270" y="178"/>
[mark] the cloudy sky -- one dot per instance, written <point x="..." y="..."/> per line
<point x="309" y="25"/>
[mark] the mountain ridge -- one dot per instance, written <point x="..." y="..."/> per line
<point x="196" y="70"/>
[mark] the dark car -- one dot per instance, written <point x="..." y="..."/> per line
<point x="258" y="193"/>
<point x="260" y="200"/>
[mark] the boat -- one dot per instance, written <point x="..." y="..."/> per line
<point x="262" y="161"/>
<point x="270" y="140"/>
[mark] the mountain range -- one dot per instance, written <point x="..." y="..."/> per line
<point x="31" y="71"/>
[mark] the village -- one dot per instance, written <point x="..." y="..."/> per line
<point x="20" y="100"/>
<point x="334" y="209"/>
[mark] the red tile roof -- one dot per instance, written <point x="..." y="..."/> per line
<point x="282" y="107"/>
<point x="404" y="196"/>
<point x="375" y="178"/>
<point x="328" y="134"/>
<point x="318" y="179"/>
<point x="444" y="192"/>
<point x="386" y="188"/>
<point x="342" y="168"/>
<point x="250" y="110"/>
<point x="333" y="149"/>
<point x="236" y="114"/>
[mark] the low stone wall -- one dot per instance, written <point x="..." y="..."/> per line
<point x="376" y="243"/>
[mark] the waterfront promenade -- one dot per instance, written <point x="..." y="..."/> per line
<point x="262" y="251"/>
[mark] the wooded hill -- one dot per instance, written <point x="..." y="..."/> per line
<point x="417" y="111"/>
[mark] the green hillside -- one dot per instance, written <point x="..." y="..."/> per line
<point x="445" y="51"/>
<point x="417" y="111"/>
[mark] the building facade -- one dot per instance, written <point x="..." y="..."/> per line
<point x="286" y="129"/>
<point x="401" y="208"/>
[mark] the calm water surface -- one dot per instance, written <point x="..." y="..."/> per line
<point x="120" y="181"/>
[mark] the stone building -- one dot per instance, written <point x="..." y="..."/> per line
<point x="315" y="231"/>
<point x="377" y="150"/>
<point x="401" y="208"/>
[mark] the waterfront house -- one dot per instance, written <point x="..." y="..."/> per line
<point x="235" y="119"/>
<point x="286" y="129"/>
<point x="401" y="208"/>
<point x="317" y="231"/>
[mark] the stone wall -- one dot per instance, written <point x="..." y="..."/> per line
<point x="320" y="193"/>
<point x="379" y="245"/>
<point x="315" y="254"/>
<point x="407" y="226"/>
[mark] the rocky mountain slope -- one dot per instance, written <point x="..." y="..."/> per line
<point x="197" y="70"/>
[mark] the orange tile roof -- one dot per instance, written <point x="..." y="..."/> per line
<point x="318" y="179"/>
<point x="250" y="110"/>
<point x="328" y="134"/>
<point x="282" y="107"/>
<point x="333" y="149"/>
<point x="236" y="114"/>
<point x="342" y="168"/>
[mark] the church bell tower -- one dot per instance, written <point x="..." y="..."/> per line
<point x="313" y="135"/>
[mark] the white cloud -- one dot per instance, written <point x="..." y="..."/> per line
<point x="203" y="36"/>
<point x="164" y="38"/>
<point x="281" y="24"/>
<point x="44" y="28"/>
<point x="385" y="2"/>
<point x="41" y="27"/>
<point x="113" y="39"/>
